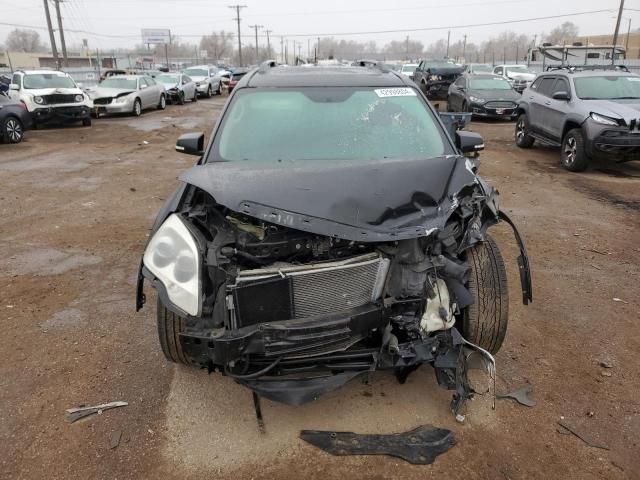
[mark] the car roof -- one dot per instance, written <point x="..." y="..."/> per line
<point x="483" y="75"/>
<point x="590" y="73"/>
<point x="321" y="76"/>
<point x="200" y="66"/>
<point x="38" y="72"/>
<point x="127" y="77"/>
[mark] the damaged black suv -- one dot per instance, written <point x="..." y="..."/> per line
<point x="330" y="228"/>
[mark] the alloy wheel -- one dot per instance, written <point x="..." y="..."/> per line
<point x="520" y="129"/>
<point x="570" y="150"/>
<point x="14" y="130"/>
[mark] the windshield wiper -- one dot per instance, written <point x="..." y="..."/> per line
<point x="625" y="98"/>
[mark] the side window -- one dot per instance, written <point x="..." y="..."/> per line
<point x="17" y="79"/>
<point x="150" y="81"/>
<point x="498" y="71"/>
<point x="420" y="66"/>
<point x="143" y="82"/>
<point x="545" y="86"/>
<point x="561" y="85"/>
<point x="460" y="82"/>
<point x="536" y="84"/>
<point x="186" y="79"/>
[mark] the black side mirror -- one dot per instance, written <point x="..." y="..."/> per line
<point x="191" y="144"/>
<point x="562" y="96"/>
<point x="469" y="142"/>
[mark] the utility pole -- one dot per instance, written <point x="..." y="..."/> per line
<point x="448" y="40"/>
<point x="626" y="46"/>
<point x="61" y="30"/>
<point x="615" y="34"/>
<point x="318" y="51"/>
<point x="52" y="39"/>
<point x="407" y="48"/>
<point x="256" y="27"/>
<point x="464" y="48"/>
<point x="237" y="19"/>
<point x="282" y="49"/>
<point x="268" y="44"/>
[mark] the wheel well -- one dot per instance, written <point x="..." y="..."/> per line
<point x="569" y="126"/>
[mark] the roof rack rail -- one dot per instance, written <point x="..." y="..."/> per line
<point x="266" y="65"/>
<point x="580" y="68"/>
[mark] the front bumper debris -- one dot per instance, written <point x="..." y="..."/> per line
<point x="67" y="113"/>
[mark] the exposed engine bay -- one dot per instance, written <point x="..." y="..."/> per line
<point x="292" y="314"/>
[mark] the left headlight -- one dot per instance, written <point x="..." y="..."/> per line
<point x="604" y="120"/>
<point x="173" y="257"/>
<point x="123" y="99"/>
<point x="79" y="98"/>
<point x="476" y="99"/>
<point x="38" y="99"/>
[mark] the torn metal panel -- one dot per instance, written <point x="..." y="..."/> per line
<point x="419" y="446"/>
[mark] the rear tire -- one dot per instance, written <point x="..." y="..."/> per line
<point x="170" y="326"/>
<point x="195" y="95"/>
<point x="485" y="321"/>
<point x="12" y="130"/>
<point x="209" y="91"/>
<point x="523" y="139"/>
<point x="86" y="122"/>
<point x="573" y="155"/>
<point x="181" y="98"/>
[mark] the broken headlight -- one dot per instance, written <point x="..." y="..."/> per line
<point x="173" y="257"/>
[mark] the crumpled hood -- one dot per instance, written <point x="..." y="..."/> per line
<point x="626" y="109"/>
<point x="197" y="78"/>
<point x="53" y="91"/>
<point x="373" y="201"/>
<point x="101" y="92"/>
<point x="521" y="76"/>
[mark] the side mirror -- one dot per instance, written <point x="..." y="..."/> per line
<point x="469" y="142"/>
<point x="14" y="86"/>
<point x="562" y="96"/>
<point x="191" y="144"/>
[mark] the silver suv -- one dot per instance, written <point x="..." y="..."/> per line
<point x="589" y="113"/>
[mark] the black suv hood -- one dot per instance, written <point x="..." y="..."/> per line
<point x="492" y="95"/>
<point x="375" y="201"/>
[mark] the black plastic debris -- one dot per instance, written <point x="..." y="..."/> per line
<point x="419" y="446"/>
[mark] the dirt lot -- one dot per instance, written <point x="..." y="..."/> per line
<point x="76" y="207"/>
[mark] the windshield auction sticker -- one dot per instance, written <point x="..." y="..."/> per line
<point x="395" y="92"/>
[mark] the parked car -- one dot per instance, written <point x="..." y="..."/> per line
<point x="483" y="95"/>
<point x="14" y="120"/>
<point x="236" y="75"/>
<point x="208" y="79"/>
<point x="435" y="76"/>
<point x="519" y="75"/>
<point x="587" y="113"/>
<point x="408" y="69"/>
<point x="50" y="96"/>
<point x="5" y="81"/>
<point x="128" y="94"/>
<point x="331" y="227"/>
<point x="476" y="68"/>
<point x="179" y="87"/>
<point x="112" y="72"/>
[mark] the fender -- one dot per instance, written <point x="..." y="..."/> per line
<point x="523" y="262"/>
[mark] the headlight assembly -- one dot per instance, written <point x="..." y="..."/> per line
<point x="476" y="99"/>
<point x="173" y="257"/>
<point x="79" y="98"/>
<point x="122" y="99"/>
<point x="38" y="99"/>
<point x="604" y="120"/>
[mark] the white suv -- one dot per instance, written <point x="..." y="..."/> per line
<point x="50" y="96"/>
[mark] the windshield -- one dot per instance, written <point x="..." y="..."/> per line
<point x="331" y="123"/>
<point x="172" y="79"/>
<point x="409" y="68"/>
<point x="48" y="80"/>
<point x="498" y="83"/>
<point x="607" y="87"/>
<point x="115" y="82"/>
<point x="196" y="72"/>
<point x="517" y="69"/>
<point x="438" y="64"/>
<point x="482" y="68"/>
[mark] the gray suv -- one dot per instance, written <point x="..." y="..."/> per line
<point x="591" y="113"/>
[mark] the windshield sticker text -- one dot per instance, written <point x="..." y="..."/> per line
<point x="395" y="92"/>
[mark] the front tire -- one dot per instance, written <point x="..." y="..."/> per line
<point x="523" y="139"/>
<point x="170" y="326"/>
<point x="195" y="95"/>
<point x="86" y="122"/>
<point x="219" y="90"/>
<point x="137" y="108"/>
<point x="181" y="98"/>
<point x="12" y="130"/>
<point x="163" y="102"/>
<point x="485" y="321"/>
<point x="573" y="155"/>
<point x="209" y="91"/>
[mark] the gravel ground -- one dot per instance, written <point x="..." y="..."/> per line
<point x="77" y="205"/>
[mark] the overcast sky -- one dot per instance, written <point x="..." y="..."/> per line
<point x="189" y="19"/>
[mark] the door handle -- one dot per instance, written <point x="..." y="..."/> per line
<point x="531" y="97"/>
<point x="547" y="103"/>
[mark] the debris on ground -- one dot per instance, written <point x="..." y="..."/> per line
<point x="605" y="374"/>
<point x="115" y="439"/>
<point x="620" y="300"/>
<point x="605" y="364"/>
<point x="74" y="414"/>
<point x="419" y="446"/>
<point x="521" y="396"/>
<point x="582" y="436"/>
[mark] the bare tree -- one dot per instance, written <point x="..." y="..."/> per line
<point x="403" y="49"/>
<point x="217" y="45"/>
<point x="24" y="40"/>
<point x="565" y="33"/>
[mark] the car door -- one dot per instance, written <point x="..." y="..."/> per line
<point x="15" y="94"/>
<point x="419" y="73"/>
<point x="536" y="98"/>
<point x="155" y="91"/>
<point x="555" y="111"/>
<point x="499" y="71"/>
<point x="457" y="93"/>
<point x="143" y="92"/>
<point x="188" y="86"/>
